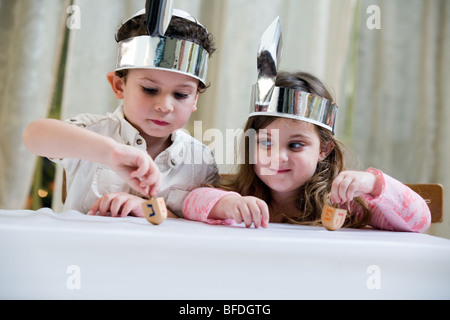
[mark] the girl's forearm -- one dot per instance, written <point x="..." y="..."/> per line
<point x="57" y="139"/>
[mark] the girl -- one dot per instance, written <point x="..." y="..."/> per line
<point x="299" y="168"/>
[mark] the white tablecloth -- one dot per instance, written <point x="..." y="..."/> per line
<point x="44" y="255"/>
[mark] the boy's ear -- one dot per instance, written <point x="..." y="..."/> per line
<point x="117" y="84"/>
<point x="326" y="149"/>
<point x="194" y="107"/>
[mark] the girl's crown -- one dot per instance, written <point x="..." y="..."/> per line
<point x="270" y="100"/>
<point x="159" y="52"/>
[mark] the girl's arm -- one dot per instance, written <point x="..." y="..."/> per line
<point x="394" y="206"/>
<point x="57" y="139"/>
<point x="215" y="206"/>
<point x="398" y="208"/>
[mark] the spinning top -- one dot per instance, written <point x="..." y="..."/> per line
<point x="155" y="210"/>
<point x="333" y="218"/>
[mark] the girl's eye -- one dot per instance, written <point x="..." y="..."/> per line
<point x="150" y="90"/>
<point x="296" y="145"/>
<point x="265" y="143"/>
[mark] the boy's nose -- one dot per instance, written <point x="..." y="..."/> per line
<point x="164" y="104"/>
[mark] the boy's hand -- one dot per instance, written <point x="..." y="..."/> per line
<point x="137" y="168"/>
<point x="351" y="184"/>
<point x="118" y="205"/>
<point x="242" y="209"/>
<point x="121" y="204"/>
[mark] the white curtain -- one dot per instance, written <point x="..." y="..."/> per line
<point x="389" y="82"/>
<point x="31" y="36"/>
<point x="397" y="110"/>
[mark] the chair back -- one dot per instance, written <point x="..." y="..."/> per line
<point x="433" y="194"/>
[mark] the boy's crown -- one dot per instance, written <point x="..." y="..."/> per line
<point x="156" y="51"/>
<point x="270" y="100"/>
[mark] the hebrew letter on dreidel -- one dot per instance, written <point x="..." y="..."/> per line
<point x="333" y="218"/>
<point x="155" y="211"/>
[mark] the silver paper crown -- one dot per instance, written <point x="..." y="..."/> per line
<point x="270" y="100"/>
<point x="159" y="52"/>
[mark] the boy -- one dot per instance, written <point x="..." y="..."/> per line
<point x="159" y="78"/>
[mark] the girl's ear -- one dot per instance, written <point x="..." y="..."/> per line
<point x="326" y="149"/>
<point x="117" y="84"/>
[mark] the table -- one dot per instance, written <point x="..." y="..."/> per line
<point x="44" y="255"/>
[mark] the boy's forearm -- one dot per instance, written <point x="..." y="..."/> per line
<point x="57" y="139"/>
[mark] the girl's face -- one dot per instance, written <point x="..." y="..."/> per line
<point x="158" y="102"/>
<point x="287" y="154"/>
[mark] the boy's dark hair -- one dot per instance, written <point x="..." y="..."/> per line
<point x="179" y="28"/>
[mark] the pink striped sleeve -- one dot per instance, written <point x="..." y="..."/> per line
<point x="199" y="203"/>
<point x="398" y="208"/>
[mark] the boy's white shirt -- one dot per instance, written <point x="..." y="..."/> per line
<point x="181" y="170"/>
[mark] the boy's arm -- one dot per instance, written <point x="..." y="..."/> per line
<point x="57" y="139"/>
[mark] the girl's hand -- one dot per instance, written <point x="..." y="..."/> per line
<point x="351" y="184"/>
<point x="137" y="168"/>
<point x="118" y="205"/>
<point x="242" y="209"/>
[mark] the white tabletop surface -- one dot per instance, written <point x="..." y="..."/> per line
<point x="44" y="255"/>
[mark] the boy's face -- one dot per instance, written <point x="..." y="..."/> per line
<point x="158" y="102"/>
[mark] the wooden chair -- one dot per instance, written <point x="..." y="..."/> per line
<point x="433" y="194"/>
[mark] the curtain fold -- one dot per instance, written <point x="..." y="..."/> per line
<point x="31" y="34"/>
<point x="398" y="120"/>
<point x="92" y="54"/>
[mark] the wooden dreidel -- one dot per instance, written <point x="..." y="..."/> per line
<point x="333" y="218"/>
<point x="155" y="211"/>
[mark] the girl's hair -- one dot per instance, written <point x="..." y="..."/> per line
<point x="179" y="28"/>
<point x="316" y="192"/>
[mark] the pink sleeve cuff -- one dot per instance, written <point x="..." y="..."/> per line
<point x="397" y="208"/>
<point x="199" y="203"/>
<point x="380" y="177"/>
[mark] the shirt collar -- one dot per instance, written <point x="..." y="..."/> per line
<point x="129" y="133"/>
<point x="172" y="156"/>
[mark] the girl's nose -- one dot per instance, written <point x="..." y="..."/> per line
<point x="278" y="158"/>
<point x="281" y="155"/>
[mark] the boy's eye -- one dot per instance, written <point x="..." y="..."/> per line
<point x="179" y="95"/>
<point x="149" y="90"/>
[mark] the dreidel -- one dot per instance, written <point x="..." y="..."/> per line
<point x="155" y="211"/>
<point x="333" y="218"/>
